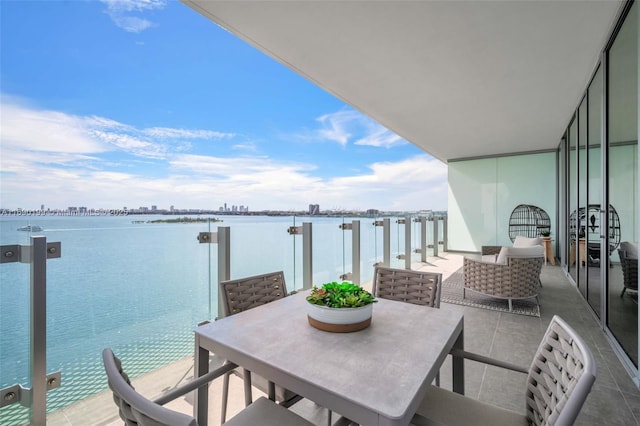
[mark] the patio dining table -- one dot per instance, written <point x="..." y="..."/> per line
<point x="376" y="376"/>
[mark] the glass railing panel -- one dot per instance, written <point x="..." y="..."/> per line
<point x="14" y="320"/>
<point x="261" y="244"/>
<point x="137" y="284"/>
<point x="370" y="235"/>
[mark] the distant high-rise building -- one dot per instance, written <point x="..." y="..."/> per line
<point x="154" y="207"/>
<point x="314" y="209"/>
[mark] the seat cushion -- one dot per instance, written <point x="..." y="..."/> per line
<point x="443" y="407"/>
<point x="489" y="258"/>
<point x="521" y="241"/>
<point x="265" y="412"/>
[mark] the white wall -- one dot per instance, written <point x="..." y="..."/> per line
<point x="484" y="192"/>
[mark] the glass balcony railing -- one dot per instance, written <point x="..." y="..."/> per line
<point x="139" y="284"/>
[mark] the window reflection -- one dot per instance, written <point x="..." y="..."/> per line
<point x="622" y="118"/>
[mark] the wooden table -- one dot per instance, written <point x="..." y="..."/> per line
<point x="376" y="376"/>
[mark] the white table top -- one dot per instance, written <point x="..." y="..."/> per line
<point x="375" y="376"/>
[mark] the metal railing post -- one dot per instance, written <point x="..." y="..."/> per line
<point x="386" y="245"/>
<point x="444" y="233"/>
<point x="435" y="236"/>
<point x="355" y="251"/>
<point x="223" y="239"/>
<point x="423" y="239"/>
<point x="38" y="325"/>
<point x="307" y="252"/>
<point x="407" y="242"/>
<point x="307" y="256"/>
<point x="224" y="258"/>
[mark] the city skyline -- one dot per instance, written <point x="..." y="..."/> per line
<point x="149" y="103"/>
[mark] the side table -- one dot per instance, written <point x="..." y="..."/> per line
<point x="548" y="251"/>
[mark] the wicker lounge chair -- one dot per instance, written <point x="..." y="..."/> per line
<point x="559" y="380"/>
<point x="514" y="275"/>
<point x="135" y="409"/>
<point x="628" y="253"/>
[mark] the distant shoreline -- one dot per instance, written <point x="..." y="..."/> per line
<point x="184" y="219"/>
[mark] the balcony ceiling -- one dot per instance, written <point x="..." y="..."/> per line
<point x="456" y="78"/>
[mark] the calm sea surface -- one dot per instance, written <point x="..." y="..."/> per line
<point x="140" y="288"/>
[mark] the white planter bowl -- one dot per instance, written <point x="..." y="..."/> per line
<point x="339" y="320"/>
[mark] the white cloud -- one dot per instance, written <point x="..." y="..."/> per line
<point x="58" y="159"/>
<point x="42" y="130"/>
<point x="169" y="133"/>
<point x="120" y="12"/>
<point x="36" y="130"/>
<point x="350" y="126"/>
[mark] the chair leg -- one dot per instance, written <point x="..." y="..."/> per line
<point x="248" y="397"/>
<point x="328" y="417"/>
<point x="623" y="290"/>
<point x="510" y="307"/>
<point x="438" y="379"/>
<point x="225" y="398"/>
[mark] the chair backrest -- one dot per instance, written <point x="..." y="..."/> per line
<point x="507" y="253"/>
<point x="246" y="293"/>
<point x="522" y="241"/>
<point x="561" y="376"/>
<point x="420" y="288"/>
<point x="134" y="408"/>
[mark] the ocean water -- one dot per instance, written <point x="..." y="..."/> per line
<point x="141" y="288"/>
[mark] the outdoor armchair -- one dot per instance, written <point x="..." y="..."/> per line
<point x="559" y="380"/>
<point x="136" y="409"/>
<point x="514" y="275"/>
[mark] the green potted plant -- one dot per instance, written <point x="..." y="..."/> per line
<point x="545" y="233"/>
<point x="340" y="307"/>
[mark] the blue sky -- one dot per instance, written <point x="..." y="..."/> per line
<point x="107" y="104"/>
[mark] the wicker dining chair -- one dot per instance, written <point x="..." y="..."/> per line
<point x="240" y="295"/>
<point x="417" y="287"/>
<point x="559" y="380"/>
<point x="403" y="285"/>
<point x="135" y="409"/>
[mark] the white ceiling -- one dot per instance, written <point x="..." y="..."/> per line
<point x="456" y="78"/>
